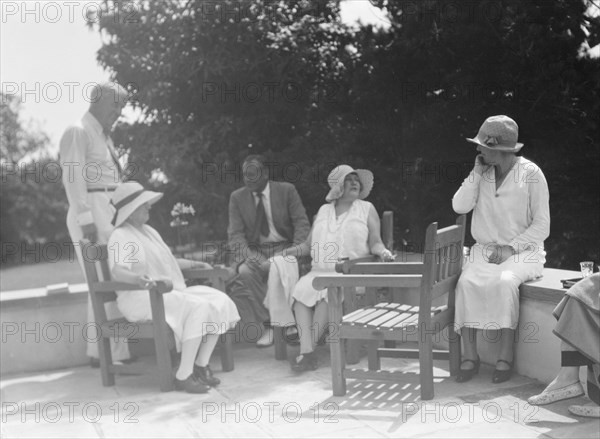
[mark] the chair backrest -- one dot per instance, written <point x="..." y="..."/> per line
<point x="443" y="258"/>
<point x="95" y="262"/>
<point x="387" y="229"/>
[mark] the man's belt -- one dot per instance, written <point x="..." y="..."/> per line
<point x="102" y="189"/>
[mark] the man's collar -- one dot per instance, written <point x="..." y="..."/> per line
<point x="93" y="122"/>
<point x="266" y="191"/>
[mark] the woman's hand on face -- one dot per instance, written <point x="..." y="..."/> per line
<point x="480" y="165"/>
<point x="145" y="281"/>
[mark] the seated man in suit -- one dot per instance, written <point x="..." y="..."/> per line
<point x="265" y="217"/>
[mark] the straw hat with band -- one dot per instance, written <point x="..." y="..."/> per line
<point x="128" y="197"/>
<point x="499" y="133"/>
<point x="336" y="182"/>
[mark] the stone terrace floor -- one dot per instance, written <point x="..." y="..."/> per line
<point x="262" y="397"/>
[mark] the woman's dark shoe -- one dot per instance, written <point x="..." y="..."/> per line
<point x="191" y="385"/>
<point x="500" y="376"/>
<point x="205" y="375"/>
<point x="304" y="362"/>
<point x="465" y="375"/>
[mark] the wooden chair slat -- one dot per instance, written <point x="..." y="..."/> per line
<point x="359" y="314"/>
<point x="398" y="319"/>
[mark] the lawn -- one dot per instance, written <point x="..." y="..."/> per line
<point x="39" y="275"/>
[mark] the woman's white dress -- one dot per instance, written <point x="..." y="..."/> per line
<point x="191" y="312"/>
<point x="515" y="214"/>
<point x="346" y="236"/>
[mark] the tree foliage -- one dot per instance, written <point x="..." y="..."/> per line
<point x="33" y="204"/>
<point x="217" y="80"/>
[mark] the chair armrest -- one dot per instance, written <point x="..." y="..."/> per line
<point x="346" y="266"/>
<point x="162" y="286"/>
<point x="206" y="273"/>
<point x="217" y="276"/>
<point x="368" y="280"/>
<point x="386" y="268"/>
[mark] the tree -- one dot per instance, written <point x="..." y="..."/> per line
<point x="215" y="80"/>
<point x="33" y="204"/>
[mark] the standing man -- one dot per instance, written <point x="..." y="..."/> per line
<point x="90" y="174"/>
<point x="265" y="217"/>
<point x="509" y="198"/>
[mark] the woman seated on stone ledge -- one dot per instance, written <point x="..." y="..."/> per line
<point x="346" y="227"/>
<point x="197" y="315"/>
<point x="578" y="327"/>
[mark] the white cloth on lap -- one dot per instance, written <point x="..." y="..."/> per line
<point x="283" y="276"/>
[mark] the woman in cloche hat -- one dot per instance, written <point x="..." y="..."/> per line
<point x="508" y="195"/>
<point x="197" y="315"/>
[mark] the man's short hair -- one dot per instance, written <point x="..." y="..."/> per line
<point x="259" y="158"/>
<point x="107" y="91"/>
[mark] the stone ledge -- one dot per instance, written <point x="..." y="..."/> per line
<point x="548" y="288"/>
<point x="42" y="331"/>
<point x="36" y="317"/>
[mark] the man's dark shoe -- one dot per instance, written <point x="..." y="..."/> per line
<point x="191" y="385"/>
<point x="205" y="375"/>
<point x="291" y="336"/>
<point x="304" y="362"/>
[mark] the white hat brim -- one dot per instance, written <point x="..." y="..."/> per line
<point x="516" y="148"/>
<point x="366" y="180"/>
<point x="128" y="209"/>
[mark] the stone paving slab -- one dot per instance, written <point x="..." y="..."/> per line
<point x="262" y="397"/>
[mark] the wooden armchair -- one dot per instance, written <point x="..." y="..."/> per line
<point x="436" y="277"/>
<point x="387" y="233"/>
<point x="103" y="290"/>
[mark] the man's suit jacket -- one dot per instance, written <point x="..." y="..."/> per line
<point x="289" y="215"/>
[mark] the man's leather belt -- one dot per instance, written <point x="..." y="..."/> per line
<point x="102" y="189"/>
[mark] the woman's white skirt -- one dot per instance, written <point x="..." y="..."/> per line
<point x="192" y="313"/>
<point x="487" y="295"/>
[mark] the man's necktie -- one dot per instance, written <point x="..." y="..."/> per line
<point x="261" y="227"/>
<point x="113" y="154"/>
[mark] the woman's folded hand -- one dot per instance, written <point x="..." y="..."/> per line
<point x="387" y="256"/>
<point x="146" y="281"/>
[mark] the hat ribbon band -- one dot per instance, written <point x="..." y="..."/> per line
<point x="128" y="199"/>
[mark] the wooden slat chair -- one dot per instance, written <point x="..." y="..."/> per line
<point x="103" y="290"/>
<point x="351" y="302"/>
<point x="436" y="277"/>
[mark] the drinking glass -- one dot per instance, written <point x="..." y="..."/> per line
<point x="587" y="268"/>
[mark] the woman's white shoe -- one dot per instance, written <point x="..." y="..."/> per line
<point x="548" y="397"/>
